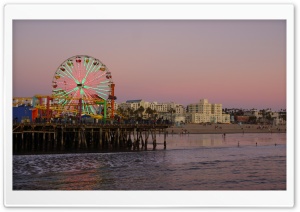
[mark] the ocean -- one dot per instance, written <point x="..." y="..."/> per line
<point x="254" y="161"/>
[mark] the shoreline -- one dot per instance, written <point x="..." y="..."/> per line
<point x="225" y="128"/>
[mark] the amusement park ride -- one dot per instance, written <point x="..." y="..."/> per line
<point x="81" y="85"/>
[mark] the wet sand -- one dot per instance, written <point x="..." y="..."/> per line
<point x="226" y="128"/>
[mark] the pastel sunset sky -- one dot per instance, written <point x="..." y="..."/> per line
<point x="239" y="63"/>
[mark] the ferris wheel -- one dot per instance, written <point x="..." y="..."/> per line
<point x="85" y="78"/>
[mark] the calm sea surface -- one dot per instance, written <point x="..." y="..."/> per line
<point x="190" y="162"/>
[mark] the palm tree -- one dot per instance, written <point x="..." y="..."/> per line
<point x="172" y="110"/>
<point x="140" y="110"/>
<point x="136" y="113"/>
<point x="263" y="115"/>
<point x="155" y="114"/>
<point x="129" y="112"/>
<point x="120" y="111"/>
<point x="149" y="111"/>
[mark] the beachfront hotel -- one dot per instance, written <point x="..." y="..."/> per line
<point x="162" y="109"/>
<point x="203" y="112"/>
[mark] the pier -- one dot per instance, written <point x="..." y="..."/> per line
<point x="47" y="138"/>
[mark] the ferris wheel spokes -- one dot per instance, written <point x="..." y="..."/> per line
<point x="68" y="74"/>
<point x="81" y="78"/>
<point x="95" y="79"/>
<point x="89" y="70"/>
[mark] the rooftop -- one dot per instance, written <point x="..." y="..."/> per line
<point x="133" y="101"/>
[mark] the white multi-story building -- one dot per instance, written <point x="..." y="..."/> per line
<point x="162" y="109"/>
<point x="226" y="118"/>
<point x="203" y="111"/>
<point x="179" y="109"/>
<point x="134" y="104"/>
<point x="124" y="105"/>
<point x="152" y="105"/>
<point x="253" y="112"/>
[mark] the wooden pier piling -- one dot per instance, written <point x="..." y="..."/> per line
<point x="165" y="139"/>
<point x="48" y="138"/>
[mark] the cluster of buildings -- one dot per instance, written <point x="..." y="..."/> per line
<point x="200" y="112"/>
<point x="263" y="116"/>
<point x="168" y="111"/>
<point x="206" y="112"/>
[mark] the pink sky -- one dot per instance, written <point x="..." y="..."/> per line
<point x="240" y="64"/>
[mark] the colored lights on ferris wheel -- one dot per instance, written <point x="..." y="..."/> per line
<point x="102" y="68"/>
<point x="70" y="63"/>
<point x="78" y="60"/>
<point x="89" y="78"/>
<point x="95" y="63"/>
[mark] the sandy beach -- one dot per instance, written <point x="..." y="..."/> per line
<point x="226" y="128"/>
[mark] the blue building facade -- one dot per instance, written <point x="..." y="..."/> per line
<point x="22" y="113"/>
